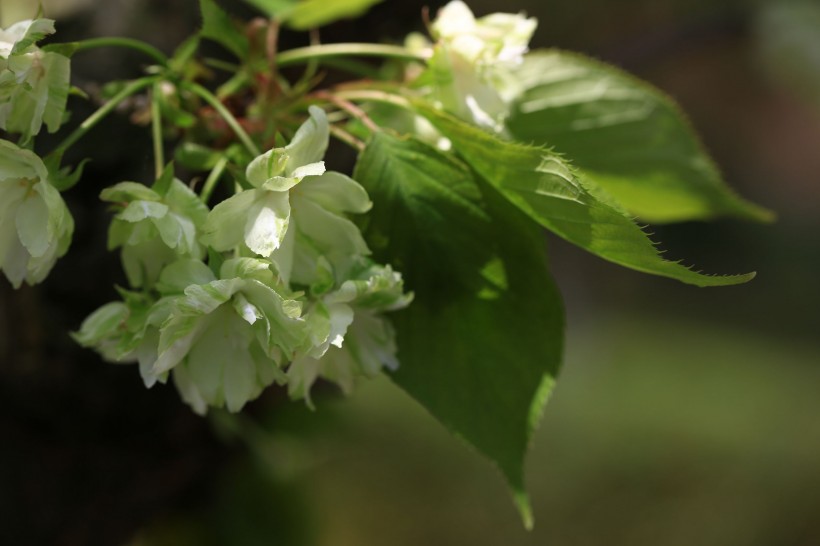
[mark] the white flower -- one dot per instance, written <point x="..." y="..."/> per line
<point x="350" y="338"/>
<point x="155" y="226"/>
<point x="225" y="340"/>
<point x="472" y="60"/>
<point x="33" y="83"/>
<point x="35" y="224"/>
<point x="295" y="213"/>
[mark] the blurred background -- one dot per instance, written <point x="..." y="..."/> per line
<point x="682" y="416"/>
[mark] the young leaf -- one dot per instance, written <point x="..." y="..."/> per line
<point x="543" y="185"/>
<point x="219" y="27"/>
<point x="481" y="343"/>
<point x="274" y="9"/>
<point x="309" y="14"/>
<point x="627" y="137"/>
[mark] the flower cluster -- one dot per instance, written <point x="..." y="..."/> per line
<point x="35" y="224"/>
<point x="33" y="83"/>
<point x="472" y="60"/>
<point x="288" y="293"/>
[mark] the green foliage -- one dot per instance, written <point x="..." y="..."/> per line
<point x="219" y="27"/>
<point x="481" y="344"/>
<point x="308" y="14"/>
<point x="544" y="185"/>
<point x="625" y="136"/>
<point x="277" y="284"/>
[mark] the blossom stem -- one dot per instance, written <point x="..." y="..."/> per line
<point x="92" y="120"/>
<point x="213" y="178"/>
<point x="229" y="118"/>
<point x="304" y="54"/>
<point x="130" y="43"/>
<point x="156" y="130"/>
<point x="374" y="96"/>
<point x="350" y="108"/>
<point x="347" y="138"/>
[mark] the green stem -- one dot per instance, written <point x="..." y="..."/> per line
<point x="213" y="178"/>
<point x="129" y="43"/>
<point x="104" y="110"/>
<point x="304" y="54"/>
<point x="229" y="118"/>
<point x="374" y="96"/>
<point x="156" y="131"/>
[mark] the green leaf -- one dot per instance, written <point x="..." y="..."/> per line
<point x="481" y="343"/>
<point x="627" y="137"/>
<point x="273" y="8"/>
<point x="219" y="27"/>
<point x="543" y="185"/>
<point x="183" y="55"/>
<point x="163" y="182"/>
<point x="196" y="156"/>
<point x="308" y="14"/>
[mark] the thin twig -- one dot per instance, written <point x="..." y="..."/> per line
<point x="350" y="107"/>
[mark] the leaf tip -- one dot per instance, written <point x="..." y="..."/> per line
<point x="522" y="502"/>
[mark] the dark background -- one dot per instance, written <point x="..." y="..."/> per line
<point x="682" y="415"/>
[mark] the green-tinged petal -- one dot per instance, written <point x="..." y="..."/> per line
<point x="143" y="261"/>
<point x="282" y="328"/>
<point x="336" y="237"/>
<point x="12" y="194"/>
<point x="224" y="227"/>
<point x="219" y="363"/>
<point x="311" y="169"/>
<point x="371" y="342"/>
<point x="280" y="183"/>
<point x="267" y="369"/>
<point x="147" y="355"/>
<point x="333" y="322"/>
<point x="55" y="94"/>
<point x="100" y="324"/>
<point x="28" y="32"/>
<point x="246" y="309"/>
<point x="18" y="163"/>
<point x="187" y="390"/>
<point x="247" y="268"/>
<point x="310" y="142"/>
<point x="32" y="225"/>
<point x="185" y="202"/>
<point x="176" y="338"/>
<point x="125" y="192"/>
<point x="206" y="298"/>
<point x="267" y="222"/>
<point x="59" y="218"/>
<point x="15" y="266"/>
<point x="335" y="192"/>
<point x="283" y="257"/>
<point x="179" y="233"/>
<point x="302" y="373"/>
<point x="269" y="165"/>
<point x="137" y="211"/>
<point x="176" y="277"/>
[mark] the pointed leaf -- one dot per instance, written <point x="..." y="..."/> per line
<point x="219" y="27"/>
<point x="543" y="185"/>
<point x="628" y="137"/>
<point x="481" y="343"/>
